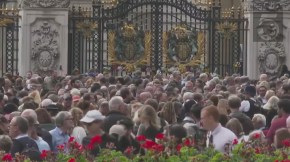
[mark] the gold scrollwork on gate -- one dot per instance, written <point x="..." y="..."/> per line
<point x="6" y="21"/>
<point x="129" y="65"/>
<point x="197" y="60"/>
<point x="86" y="27"/>
<point x="226" y="28"/>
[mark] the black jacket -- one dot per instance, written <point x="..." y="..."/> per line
<point x="112" y="118"/>
<point x="26" y="146"/>
<point x="45" y="135"/>
<point x="244" y="120"/>
<point x="255" y="108"/>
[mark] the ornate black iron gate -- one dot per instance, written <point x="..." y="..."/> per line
<point x="212" y="39"/>
<point x="9" y="39"/>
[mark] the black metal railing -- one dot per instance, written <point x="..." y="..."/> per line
<point x="224" y="33"/>
<point x="9" y="40"/>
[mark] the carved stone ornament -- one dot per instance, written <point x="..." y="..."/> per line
<point x="267" y="5"/>
<point x="45" y="3"/>
<point x="45" y="44"/>
<point x="268" y="29"/>
<point x="271" y="57"/>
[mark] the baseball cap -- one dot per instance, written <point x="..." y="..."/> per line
<point x="76" y="98"/>
<point x="117" y="129"/>
<point x="91" y="116"/>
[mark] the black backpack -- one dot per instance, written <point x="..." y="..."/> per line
<point x="255" y="108"/>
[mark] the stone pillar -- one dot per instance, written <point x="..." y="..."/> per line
<point x="43" y="35"/>
<point x="268" y="36"/>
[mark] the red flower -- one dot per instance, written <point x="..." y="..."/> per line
<point x="235" y="141"/>
<point x="76" y="145"/>
<point x="148" y="144"/>
<point x="72" y="160"/>
<point x="60" y="147"/>
<point x="97" y="139"/>
<point x="160" y="136"/>
<point x="81" y="148"/>
<point x="158" y="148"/>
<point x="7" y="157"/>
<point x="71" y="139"/>
<point x="257" y="151"/>
<point x="90" y="146"/>
<point x="286" y="143"/>
<point x="286" y="160"/>
<point x="140" y="138"/>
<point x="187" y="142"/>
<point x="257" y="135"/>
<point x="128" y="150"/>
<point x="178" y="147"/>
<point x="43" y="154"/>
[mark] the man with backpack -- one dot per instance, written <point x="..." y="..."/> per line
<point x="250" y="105"/>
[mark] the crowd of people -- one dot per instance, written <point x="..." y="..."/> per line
<point x="42" y="113"/>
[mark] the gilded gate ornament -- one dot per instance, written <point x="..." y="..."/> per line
<point x="181" y="44"/>
<point x="129" y="47"/>
<point x="129" y="43"/>
<point x="196" y="61"/>
<point x="86" y="27"/>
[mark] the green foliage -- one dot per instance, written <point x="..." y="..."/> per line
<point x="252" y="151"/>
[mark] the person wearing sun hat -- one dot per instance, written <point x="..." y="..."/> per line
<point x="93" y="121"/>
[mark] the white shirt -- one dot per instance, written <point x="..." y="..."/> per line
<point x="79" y="133"/>
<point x="187" y="118"/>
<point x="245" y="106"/>
<point x="21" y="136"/>
<point x="221" y="137"/>
<point x="42" y="145"/>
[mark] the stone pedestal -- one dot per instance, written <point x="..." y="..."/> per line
<point x="268" y="37"/>
<point x="43" y="37"/>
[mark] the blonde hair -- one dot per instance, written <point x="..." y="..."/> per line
<point x="135" y="107"/>
<point x="148" y="113"/>
<point x="168" y="113"/>
<point x="137" y="115"/>
<point x="223" y="106"/>
<point x="74" y="111"/>
<point x="269" y="94"/>
<point x="36" y="97"/>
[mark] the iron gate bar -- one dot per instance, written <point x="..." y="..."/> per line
<point x="156" y="16"/>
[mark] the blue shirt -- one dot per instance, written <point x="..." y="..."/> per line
<point x="42" y="145"/>
<point x="58" y="138"/>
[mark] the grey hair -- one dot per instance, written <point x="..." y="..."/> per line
<point x="60" y="118"/>
<point x="203" y="75"/>
<point x="260" y="119"/>
<point x="29" y="113"/>
<point x="115" y="102"/>
<point x="5" y="143"/>
<point x="187" y="96"/>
